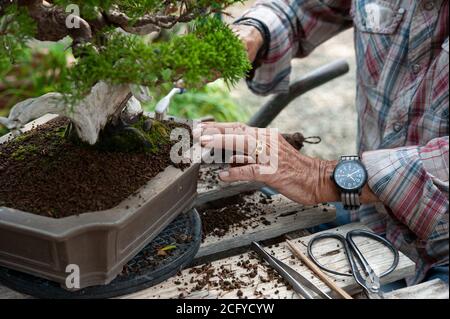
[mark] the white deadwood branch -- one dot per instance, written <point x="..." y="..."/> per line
<point x="104" y="104"/>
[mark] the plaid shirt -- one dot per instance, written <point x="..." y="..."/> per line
<point x="402" y="101"/>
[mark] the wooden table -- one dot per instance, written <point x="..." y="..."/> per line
<point x="225" y="260"/>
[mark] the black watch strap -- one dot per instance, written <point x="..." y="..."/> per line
<point x="350" y="199"/>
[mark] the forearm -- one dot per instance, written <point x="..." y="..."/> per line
<point x="412" y="181"/>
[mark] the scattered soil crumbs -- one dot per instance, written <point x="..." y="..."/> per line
<point x="45" y="174"/>
<point x="239" y="211"/>
<point x="249" y="274"/>
<point x="209" y="176"/>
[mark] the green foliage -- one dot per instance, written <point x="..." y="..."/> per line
<point x="210" y="51"/>
<point x="138" y="8"/>
<point x="212" y="100"/>
<point x="37" y="72"/>
<point x="3" y="130"/>
<point x="16" y="28"/>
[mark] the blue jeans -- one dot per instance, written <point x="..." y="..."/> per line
<point x="440" y="272"/>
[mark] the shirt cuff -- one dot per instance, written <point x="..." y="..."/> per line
<point x="273" y="70"/>
<point x="399" y="179"/>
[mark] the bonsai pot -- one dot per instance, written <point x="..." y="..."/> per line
<point x="100" y="243"/>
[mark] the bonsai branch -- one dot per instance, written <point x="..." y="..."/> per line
<point x="51" y="22"/>
<point x="147" y="23"/>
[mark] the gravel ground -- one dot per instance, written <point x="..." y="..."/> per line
<point x="327" y="111"/>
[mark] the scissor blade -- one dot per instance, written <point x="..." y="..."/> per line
<point x="302" y="279"/>
<point x="274" y="264"/>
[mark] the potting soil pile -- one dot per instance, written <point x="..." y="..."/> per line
<point x="43" y="173"/>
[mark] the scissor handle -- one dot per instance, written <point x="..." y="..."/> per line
<point x="372" y="235"/>
<point x="350" y="247"/>
<point x="344" y="243"/>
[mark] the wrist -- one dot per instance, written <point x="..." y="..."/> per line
<point x="327" y="190"/>
<point x="259" y="35"/>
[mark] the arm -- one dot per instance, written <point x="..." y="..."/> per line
<point x="295" y="28"/>
<point x="413" y="182"/>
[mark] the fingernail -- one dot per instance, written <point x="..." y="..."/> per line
<point x="224" y="174"/>
<point x="206" y="138"/>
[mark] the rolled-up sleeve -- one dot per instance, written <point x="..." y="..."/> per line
<point x="296" y="27"/>
<point x="413" y="182"/>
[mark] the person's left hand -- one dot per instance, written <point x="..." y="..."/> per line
<point x="269" y="159"/>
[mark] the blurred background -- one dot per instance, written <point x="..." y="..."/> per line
<point x="327" y="111"/>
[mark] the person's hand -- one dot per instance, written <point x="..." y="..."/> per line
<point x="265" y="156"/>
<point x="250" y="37"/>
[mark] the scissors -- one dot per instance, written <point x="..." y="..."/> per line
<point x="298" y="282"/>
<point x="370" y="281"/>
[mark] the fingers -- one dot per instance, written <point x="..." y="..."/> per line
<point x="241" y="160"/>
<point x="239" y="143"/>
<point x="209" y="128"/>
<point x="243" y="173"/>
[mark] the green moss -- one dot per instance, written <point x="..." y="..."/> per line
<point x="135" y="138"/>
<point x="21" y="138"/>
<point x="24" y="151"/>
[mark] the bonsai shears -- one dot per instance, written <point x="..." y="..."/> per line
<point x="370" y="281"/>
<point x="298" y="282"/>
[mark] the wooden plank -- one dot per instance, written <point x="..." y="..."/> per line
<point x="186" y="285"/>
<point x="223" y="190"/>
<point x="433" y="289"/>
<point x="281" y="217"/>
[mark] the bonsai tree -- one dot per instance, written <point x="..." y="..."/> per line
<point x="118" y="62"/>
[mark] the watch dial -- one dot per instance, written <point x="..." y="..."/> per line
<point x="350" y="175"/>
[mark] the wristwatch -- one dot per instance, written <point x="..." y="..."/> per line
<point x="350" y="176"/>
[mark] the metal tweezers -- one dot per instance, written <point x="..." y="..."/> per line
<point x="298" y="282"/>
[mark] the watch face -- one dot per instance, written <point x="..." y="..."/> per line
<point x="350" y="175"/>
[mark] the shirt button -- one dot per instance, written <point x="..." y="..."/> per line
<point x="401" y="10"/>
<point x="398" y="126"/>
<point x="428" y="5"/>
<point x="416" y="68"/>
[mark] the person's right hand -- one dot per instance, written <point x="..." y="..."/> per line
<point x="250" y="37"/>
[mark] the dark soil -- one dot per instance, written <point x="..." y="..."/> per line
<point x="45" y="174"/>
<point x="234" y="212"/>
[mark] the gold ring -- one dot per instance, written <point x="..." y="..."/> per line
<point x="259" y="149"/>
